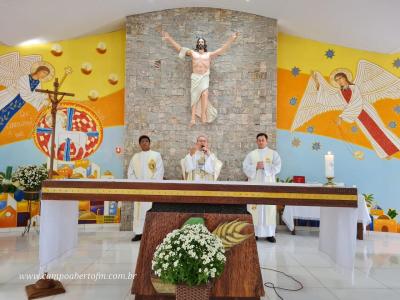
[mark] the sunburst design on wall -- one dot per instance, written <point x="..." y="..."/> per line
<point x="296" y="142"/>
<point x="295" y="71"/>
<point x="396" y="63"/>
<point x="293" y="101"/>
<point x="359" y="155"/>
<point x="316" y="146"/>
<point x="330" y="53"/>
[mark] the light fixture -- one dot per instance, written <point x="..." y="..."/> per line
<point x="32" y="42"/>
<point x="118" y="150"/>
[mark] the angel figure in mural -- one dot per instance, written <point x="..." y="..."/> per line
<point x="21" y="75"/>
<point x="201" y="61"/>
<point x="355" y="101"/>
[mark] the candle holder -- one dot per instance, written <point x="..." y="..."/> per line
<point x="330" y="182"/>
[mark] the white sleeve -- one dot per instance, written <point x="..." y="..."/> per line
<point x="131" y="171"/>
<point x="190" y="162"/>
<point x="249" y="168"/>
<point x="209" y="165"/>
<point x="273" y="168"/>
<point x="159" y="168"/>
<point x="33" y="98"/>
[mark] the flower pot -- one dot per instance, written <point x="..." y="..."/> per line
<point x="31" y="195"/>
<point x="162" y="287"/>
<point x="196" y="292"/>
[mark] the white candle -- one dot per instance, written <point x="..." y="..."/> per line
<point x="329" y="165"/>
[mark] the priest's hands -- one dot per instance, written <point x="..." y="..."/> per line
<point x="197" y="147"/>
<point x="205" y="150"/>
<point x="260" y="165"/>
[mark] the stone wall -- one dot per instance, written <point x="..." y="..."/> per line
<point x="242" y="86"/>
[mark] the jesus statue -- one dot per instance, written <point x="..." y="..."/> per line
<point x="201" y="60"/>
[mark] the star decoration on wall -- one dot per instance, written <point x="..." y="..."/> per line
<point x="392" y="124"/>
<point x="396" y="63"/>
<point x="295" y="71"/>
<point x="330" y="53"/>
<point x="316" y="146"/>
<point x="397" y="109"/>
<point x="293" y="101"/>
<point x="310" y="129"/>
<point x="296" y="142"/>
<point x="359" y="155"/>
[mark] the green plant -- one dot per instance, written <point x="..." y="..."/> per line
<point x="369" y="198"/>
<point x="30" y="178"/>
<point x="7" y="188"/>
<point x="392" y="213"/>
<point x="6" y="185"/>
<point x="287" y="180"/>
<point x="190" y="255"/>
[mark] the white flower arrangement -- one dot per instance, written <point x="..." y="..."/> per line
<point x="190" y="255"/>
<point x="30" y="178"/>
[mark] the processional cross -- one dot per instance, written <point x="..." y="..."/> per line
<point x="47" y="287"/>
<point x="55" y="97"/>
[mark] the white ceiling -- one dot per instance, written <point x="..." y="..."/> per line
<point x="364" y="24"/>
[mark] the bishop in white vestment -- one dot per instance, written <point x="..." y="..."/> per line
<point x="146" y="164"/>
<point x="200" y="164"/>
<point x="261" y="166"/>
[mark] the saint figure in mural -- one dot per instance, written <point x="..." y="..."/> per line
<point x="201" y="60"/>
<point x="21" y="75"/>
<point x="355" y="100"/>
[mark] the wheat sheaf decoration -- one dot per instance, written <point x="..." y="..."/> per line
<point x="230" y="233"/>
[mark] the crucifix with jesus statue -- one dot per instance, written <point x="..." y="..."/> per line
<point x="45" y="286"/>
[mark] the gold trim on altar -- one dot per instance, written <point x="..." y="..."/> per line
<point x="198" y="193"/>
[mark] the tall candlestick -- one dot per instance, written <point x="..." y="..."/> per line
<point x="329" y="165"/>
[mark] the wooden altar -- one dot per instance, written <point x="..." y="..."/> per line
<point x="175" y="201"/>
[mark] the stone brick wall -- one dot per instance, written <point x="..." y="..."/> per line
<point x="242" y="86"/>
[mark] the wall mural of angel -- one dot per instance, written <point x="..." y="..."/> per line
<point x="21" y="75"/>
<point x="355" y="100"/>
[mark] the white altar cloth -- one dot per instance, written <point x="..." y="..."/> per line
<point x="59" y="230"/>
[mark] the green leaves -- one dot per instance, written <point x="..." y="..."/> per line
<point x="392" y="213"/>
<point x="193" y="220"/>
<point x="369" y="199"/>
<point x="287" y="180"/>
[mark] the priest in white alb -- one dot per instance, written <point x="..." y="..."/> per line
<point x="200" y="164"/>
<point x="261" y="166"/>
<point x="147" y="165"/>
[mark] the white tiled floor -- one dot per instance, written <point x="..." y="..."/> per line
<point x="375" y="276"/>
